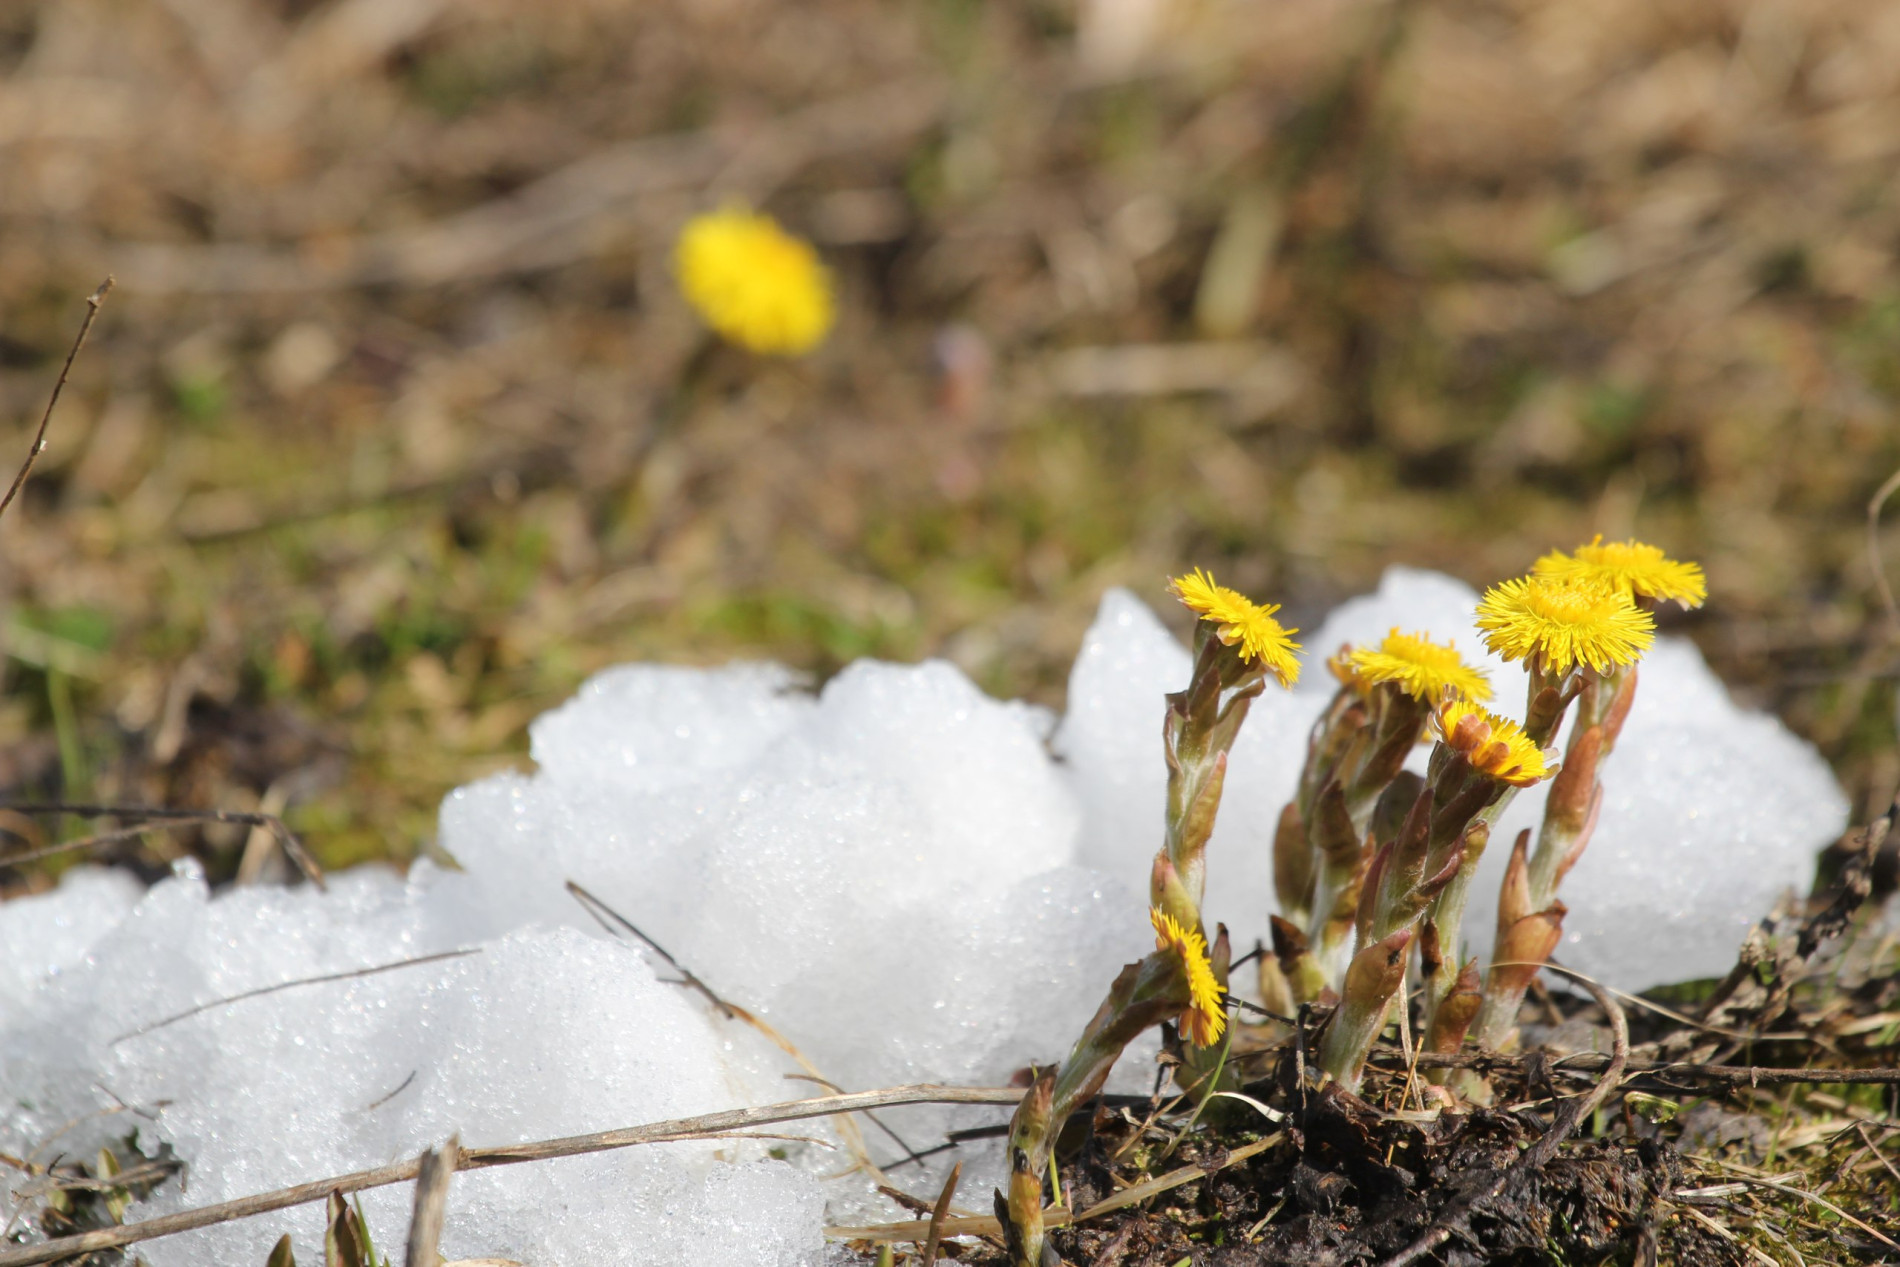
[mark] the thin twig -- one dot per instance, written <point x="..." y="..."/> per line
<point x="1534" y="1158"/>
<point x="351" y="975"/>
<point x="1258" y="1010"/>
<point x="706" y="1126"/>
<point x="1792" y="1191"/>
<point x="93" y="301"/>
<point x="293" y="847"/>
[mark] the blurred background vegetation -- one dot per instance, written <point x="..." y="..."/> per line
<point x="396" y="426"/>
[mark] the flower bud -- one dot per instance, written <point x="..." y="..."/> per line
<point x="1523" y="948"/>
<point x="1292" y="862"/>
<point x="1456" y="1011"/>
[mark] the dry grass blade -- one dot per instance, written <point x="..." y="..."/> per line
<point x="985" y="1225"/>
<point x="1789" y="1190"/>
<point x="293" y="847"/>
<point x="611" y="920"/>
<point x="706" y="1126"/>
<point x="351" y="975"/>
<point x="93" y="302"/>
<point x="1175" y="1178"/>
<point x="1592" y="1062"/>
<point x="73" y="846"/>
<point x="1874" y="560"/>
<point x="548" y="221"/>
<point x="616" y="923"/>
<point x="940" y="1213"/>
<point x="1874" y="1148"/>
<point x="432" y="1203"/>
<point x="1727" y="1235"/>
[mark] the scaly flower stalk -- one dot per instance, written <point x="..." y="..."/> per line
<point x="1478" y="759"/>
<point x="1386" y="694"/>
<point x="1568" y="629"/>
<point x="1509" y="759"/>
<point x="1372" y="982"/>
<point x="1644" y="577"/>
<point x="1237" y="645"/>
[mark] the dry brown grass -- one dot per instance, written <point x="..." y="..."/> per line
<point x="398" y="428"/>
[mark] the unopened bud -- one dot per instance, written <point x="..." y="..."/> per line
<point x="1373" y="979"/>
<point x="1514" y="895"/>
<point x="1371" y="891"/>
<point x="1292" y="862"/>
<point x="1456" y="1011"/>
<point x="1304" y="976"/>
<point x="1431" y="955"/>
<point x="1276" y="993"/>
<point x="1523" y="948"/>
<point x="1395" y="803"/>
<point x="1377" y="971"/>
<point x="1575" y="785"/>
<point x="1029" y="1145"/>
<point x="1334" y="834"/>
<point x="1166" y="891"/>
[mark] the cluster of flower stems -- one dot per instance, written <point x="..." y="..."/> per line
<point x="1372" y="862"/>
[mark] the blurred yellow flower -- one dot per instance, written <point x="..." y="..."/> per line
<point x="1206" y="1017"/>
<point x="1494" y="746"/>
<point x="1639" y="570"/>
<point x="1420" y="667"/>
<point x="753" y="282"/>
<point x="1565" y="621"/>
<point x="1243" y="621"/>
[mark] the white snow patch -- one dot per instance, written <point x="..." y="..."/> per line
<point x="908" y="879"/>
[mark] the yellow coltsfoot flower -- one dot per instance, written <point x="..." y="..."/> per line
<point x="1639" y="570"/>
<point x="1242" y="622"/>
<point x="753" y="282"/>
<point x="1205" y="1019"/>
<point x="1421" y="668"/>
<point x="1564" y="622"/>
<point x="1496" y="747"/>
